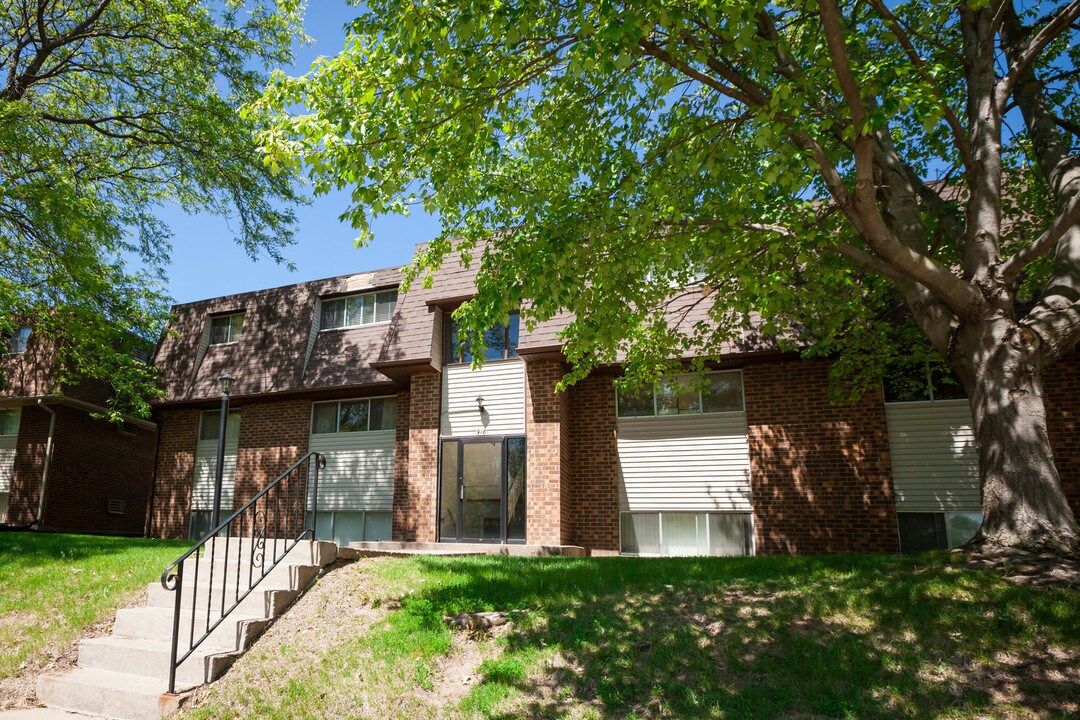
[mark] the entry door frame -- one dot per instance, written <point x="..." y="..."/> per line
<point x="459" y="447"/>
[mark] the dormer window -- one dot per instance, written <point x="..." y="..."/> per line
<point x="16" y="341"/>
<point x="501" y="342"/>
<point x="354" y="310"/>
<point x="226" y="328"/>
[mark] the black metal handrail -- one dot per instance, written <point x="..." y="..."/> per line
<point x="284" y="511"/>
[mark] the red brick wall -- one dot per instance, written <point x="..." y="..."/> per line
<point x="594" y="490"/>
<point x="547" y="455"/>
<point x="175" y="471"/>
<point x="414" y="518"/>
<point x="273" y="436"/>
<point x="1062" y="392"/>
<point x="29" y="461"/>
<point x="401" y="464"/>
<point x="92" y="463"/>
<point x="820" y="474"/>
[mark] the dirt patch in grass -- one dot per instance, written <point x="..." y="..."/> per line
<point x="458" y="672"/>
<point x="1025" y="568"/>
<point x="342" y="604"/>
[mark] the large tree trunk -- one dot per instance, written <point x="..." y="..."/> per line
<point x="1023" y="502"/>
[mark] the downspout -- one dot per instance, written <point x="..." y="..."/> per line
<point x="48" y="459"/>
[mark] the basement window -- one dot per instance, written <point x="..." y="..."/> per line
<point x="677" y="534"/>
<point x="922" y="531"/>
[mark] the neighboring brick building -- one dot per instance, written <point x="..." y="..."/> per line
<point x="421" y="448"/>
<point x="97" y="476"/>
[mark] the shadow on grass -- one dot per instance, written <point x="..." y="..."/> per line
<point x="840" y="636"/>
<point x="31" y="549"/>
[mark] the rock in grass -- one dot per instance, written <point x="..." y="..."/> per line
<point x="481" y="620"/>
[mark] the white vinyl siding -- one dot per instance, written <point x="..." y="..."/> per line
<point x="501" y="384"/>
<point x="202" y="496"/>
<point x="934" y="462"/>
<point x="7" y="462"/>
<point x="684" y="462"/>
<point x="359" y="472"/>
<point x="9" y="435"/>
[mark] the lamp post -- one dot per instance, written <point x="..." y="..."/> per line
<point x="226" y="385"/>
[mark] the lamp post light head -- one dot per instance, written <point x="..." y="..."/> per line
<point x="226" y="383"/>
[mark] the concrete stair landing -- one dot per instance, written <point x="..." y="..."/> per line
<point x="125" y="675"/>
<point x="393" y="547"/>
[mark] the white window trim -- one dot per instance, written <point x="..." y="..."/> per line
<point x="210" y="325"/>
<point x="311" y="422"/>
<point x="374" y="293"/>
<point x="655" y="414"/>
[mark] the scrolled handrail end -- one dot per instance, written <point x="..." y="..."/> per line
<point x="168" y="579"/>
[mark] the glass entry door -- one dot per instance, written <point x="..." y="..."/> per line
<point x="482" y="490"/>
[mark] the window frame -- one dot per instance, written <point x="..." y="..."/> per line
<point x="345" y="299"/>
<point x="700" y="400"/>
<point x="929" y="383"/>
<point x="21" y="336"/>
<point x="17" y="412"/>
<point x="745" y="516"/>
<point x="228" y="318"/>
<point x="216" y="426"/>
<point x="510" y="353"/>
<point x="337" y="420"/>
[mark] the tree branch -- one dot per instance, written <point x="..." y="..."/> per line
<point x="1065" y="220"/>
<point x="1021" y="62"/>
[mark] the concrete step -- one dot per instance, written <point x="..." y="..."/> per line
<point x="150" y="658"/>
<point x="282" y="577"/>
<point x="125" y="676"/>
<point x="263" y="601"/>
<point x="236" y="632"/>
<point x="119" y="696"/>
<point x="319" y="554"/>
<point x="305" y="552"/>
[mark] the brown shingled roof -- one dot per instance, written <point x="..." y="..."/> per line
<point x="272" y="354"/>
<point x="281" y="349"/>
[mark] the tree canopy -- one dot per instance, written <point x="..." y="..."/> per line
<point x="857" y="175"/>
<point x="108" y="111"/>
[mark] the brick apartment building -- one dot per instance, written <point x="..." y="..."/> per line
<point x="61" y="469"/>
<point x="420" y="447"/>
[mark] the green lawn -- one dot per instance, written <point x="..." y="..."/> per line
<point x="819" y="637"/>
<point x="54" y="587"/>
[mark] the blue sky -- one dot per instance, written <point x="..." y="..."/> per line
<point x="205" y="260"/>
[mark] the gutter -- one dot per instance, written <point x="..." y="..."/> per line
<point x="86" y="406"/>
<point x="48" y="457"/>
